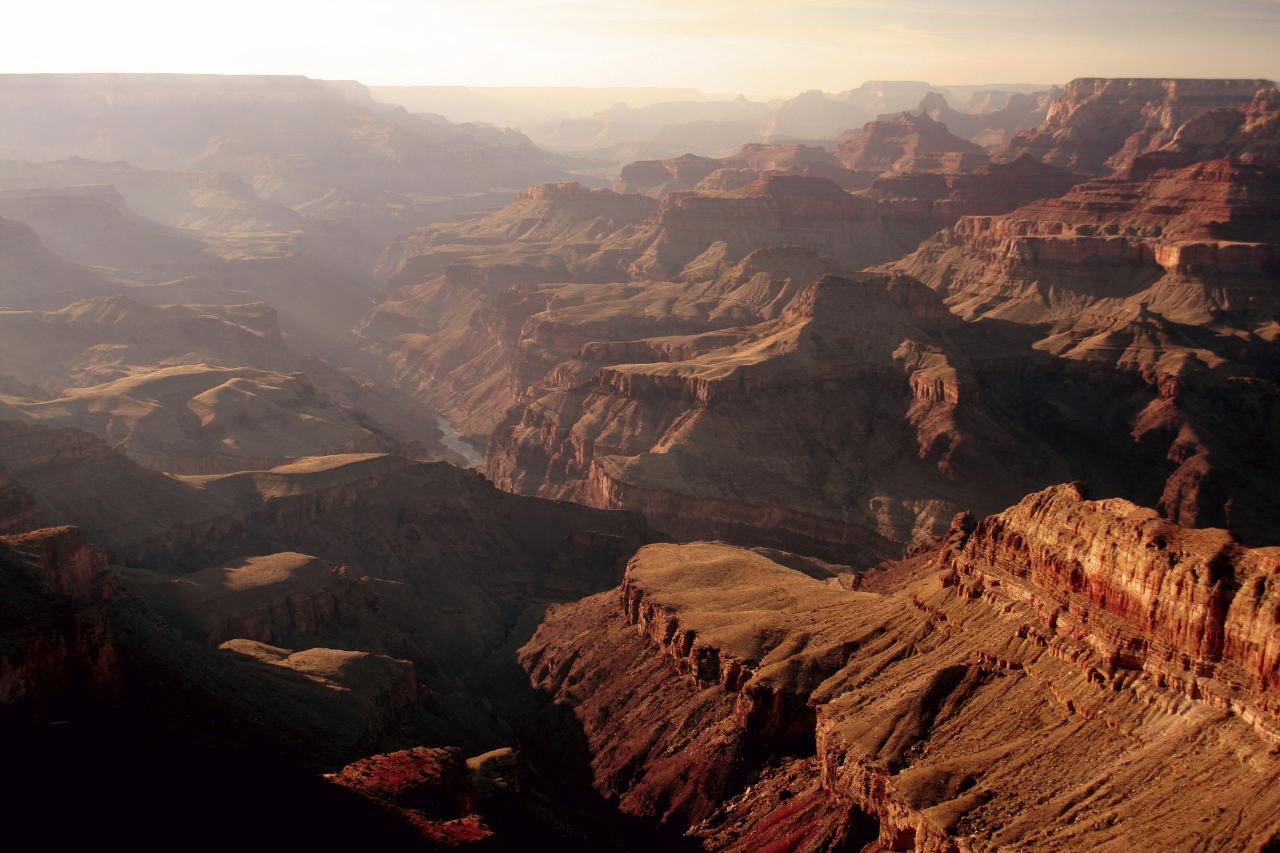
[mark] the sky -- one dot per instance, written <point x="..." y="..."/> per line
<point x="723" y="46"/>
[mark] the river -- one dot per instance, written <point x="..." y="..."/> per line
<point x="454" y="442"/>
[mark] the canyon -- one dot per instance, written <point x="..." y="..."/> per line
<point x="1067" y="657"/>
<point x="882" y="470"/>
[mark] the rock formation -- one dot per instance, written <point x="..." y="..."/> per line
<point x="908" y="143"/>
<point x="58" y="643"/>
<point x="428" y="788"/>
<point x="665" y="435"/>
<point x="1188" y="241"/>
<point x="230" y="572"/>
<point x="1063" y="646"/>
<point x="991" y="128"/>
<point x="197" y="389"/>
<point x="656" y="178"/>
<point x="1101" y="125"/>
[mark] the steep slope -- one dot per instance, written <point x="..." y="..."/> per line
<point x="931" y="201"/>
<point x="260" y="577"/>
<point x="1071" y="673"/>
<point x="547" y="231"/>
<point x="456" y="296"/>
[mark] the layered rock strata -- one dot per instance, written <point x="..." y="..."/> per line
<point x="1012" y="695"/>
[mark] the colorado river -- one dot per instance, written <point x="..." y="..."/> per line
<point x="454" y="442"/>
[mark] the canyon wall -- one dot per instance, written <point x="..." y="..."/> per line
<point x="1009" y="694"/>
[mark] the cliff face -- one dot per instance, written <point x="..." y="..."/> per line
<point x="1063" y="645"/>
<point x="1166" y="271"/>
<point x="1099" y="125"/>
<point x="653" y="436"/>
<point x="269" y="556"/>
<point x="699" y="235"/>
<point x="474" y="340"/>
<point x="931" y="201"/>
<point x="805" y="431"/>
<point x="1187" y="241"/>
<point x="427" y="788"/>
<point x="656" y="178"/>
<point x="58" y="643"/>
<point x="1190" y="609"/>
<point x="272" y="599"/>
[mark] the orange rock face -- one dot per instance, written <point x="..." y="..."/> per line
<point x="1190" y="609"/>
<point x="1060" y="646"/>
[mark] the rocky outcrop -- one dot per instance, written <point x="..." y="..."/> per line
<point x="546" y="227"/>
<point x="656" y="178"/>
<point x="64" y="561"/>
<point x="967" y="709"/>
<point x="474" y="342"/>
<point x="740" y="438"/>
<point x="1100" y="125"/>
<point x="930" y="202"/>
<point x="1189" y="609"/>
<point x="269" y="599"/>
<point x="908" y="143"/>
<point x="352" y="702"/>
<point x="448" y="603"/>
<point x="1190" y="242"/>
<point x="1250" y="134"/>
<point x="427" y="788"/>
<point x="57" y="646"/>
<point x="700" y="235"/>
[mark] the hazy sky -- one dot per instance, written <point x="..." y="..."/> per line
<point x="756" y="46"/>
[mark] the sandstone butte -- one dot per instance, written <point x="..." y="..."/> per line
<point x="1068" y="673"/>
<point x="908" y="143"/>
